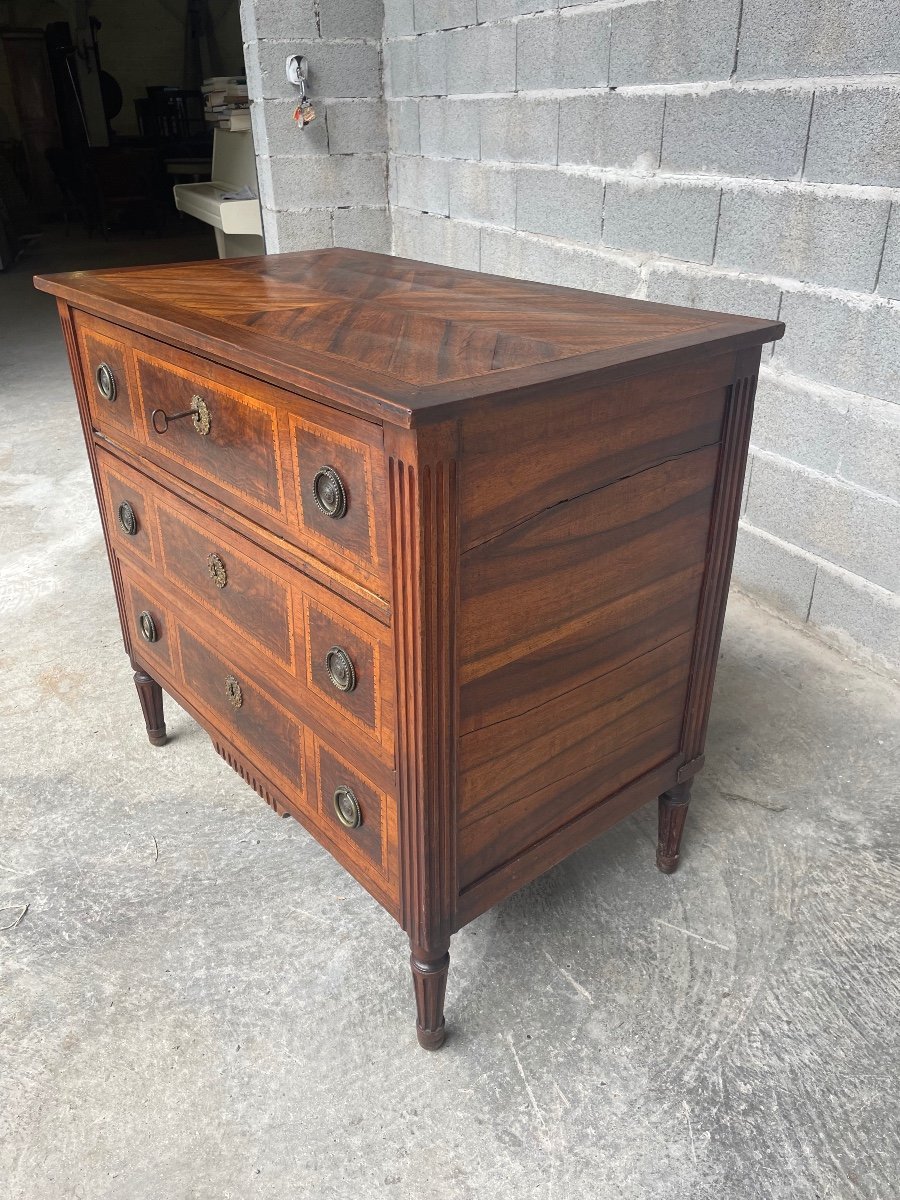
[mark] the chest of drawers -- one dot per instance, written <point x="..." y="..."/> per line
<point x="438" y="559"/>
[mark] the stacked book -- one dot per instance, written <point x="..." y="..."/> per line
<point x="225" y="102"/>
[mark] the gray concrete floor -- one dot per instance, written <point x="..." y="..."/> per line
<point x="200" y="1005"/>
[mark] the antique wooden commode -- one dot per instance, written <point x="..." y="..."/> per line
<point x="438" y="559"/>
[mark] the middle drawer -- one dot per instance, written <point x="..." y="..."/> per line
<point x="333" y="660"/>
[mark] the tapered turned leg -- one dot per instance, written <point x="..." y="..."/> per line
<point x="151" y="698"/>
<point x="673" y="806"/>
<point x="429" y="972"/>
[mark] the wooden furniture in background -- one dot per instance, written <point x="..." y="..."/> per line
<point x="438" y="559"/>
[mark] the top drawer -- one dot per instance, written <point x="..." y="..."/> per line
<point x="307" y="472"/>
<point x="227" y="437"/>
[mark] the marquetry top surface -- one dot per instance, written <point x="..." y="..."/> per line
<point x="397" y="335"/>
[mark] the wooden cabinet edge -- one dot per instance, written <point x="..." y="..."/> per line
<point x="424" y="514"/>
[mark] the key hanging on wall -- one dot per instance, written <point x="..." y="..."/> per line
<point x="297" y="69"/>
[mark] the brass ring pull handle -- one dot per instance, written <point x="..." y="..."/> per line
<point x="106" y="382"/>
<point x="149" y="632"/>
<point x="341" y="670"/>
<point x="346" y="807"/>
<point x="329" y="492"/>
<point x="233" y="692"/>
<point x="127" y="518"/>
<point x="198" y="412"/>
<point x="217" y="572"/>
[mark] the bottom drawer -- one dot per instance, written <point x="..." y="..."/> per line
<point x="343" y="809"/>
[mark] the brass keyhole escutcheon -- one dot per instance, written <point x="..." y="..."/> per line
<point x="149" y="632"/>
<point x="127" y="518"/>
<point x="201" y="418"/>
<point x="217" y="572"/>
<point x="329" y="492"/>
<point x="346" y="807"/>
<point x="106" y="382"/>
<point x="233" y="692"/>
<point x="341" y="670"/>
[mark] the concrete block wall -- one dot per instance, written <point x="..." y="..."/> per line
<point x="326" y="185"/>
<point x="738" y="155"/>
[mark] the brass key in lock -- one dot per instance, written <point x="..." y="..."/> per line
<point x="199" y="413"/>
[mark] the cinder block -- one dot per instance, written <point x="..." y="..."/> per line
<point x="253" y="70"/>
<point x="436" y="239"/>
<point x="286" y="231"/>
<point x="858" y="618"/>
<point x="842" y="524"/>
<point x="526" y="257"/>
<point x="480" y="59"/>
<point x="560" y="204"/>
<point x="403" y="126"/>
<point x="700" y="287"/>
<point x="519" y="130"/>
<point x="327" y="181"/>
<point x="449" y="128"/>
<point x="483" y="193"/>
<point x="800" y="422"/>
<point x="278" y="19"/>
<point x="444" y="14"/>
<point x="247" y="14"/>
<point x="830" y="37"/>
<point x="357" y="127"/>
<point x="854" y="135"/>
<point x="815" y="237"/>
<point x="350" y="18"/>
<point x="275" y="131"/>
<point x="850" y="345"/>
<point x="363" y="229"/>
<point x="416" y="67"/>
<point x="423" y="184"/>
<point x="494" y="10"/>
<point x="871" y="450"/>
<point x="335" y="69"/>
<point x="673" y="41"/>
<point x="270" y="230"/>
<point x="670" y="218"/>
<point x="889" y="275"/>
<point x="568" y="50"/>
<point x="614" y="129"/>
<point x="399" y="17"/>
<point x="737" y="131"/>
<point x="776" y="574"/>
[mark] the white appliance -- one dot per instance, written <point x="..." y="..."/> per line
<point x="238" y="223"/>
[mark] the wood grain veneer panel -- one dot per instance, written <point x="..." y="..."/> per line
<point x="255" y="601"/>
<point x="241" y="452"/>
<point x="619" y="726"/>
<point x="562" y="598"/>
<point x="260" y="724"/>
<point x="523" y="457"/>
<point x="118" y="484"/>
<point x="100" y="344"/>
<point x="395" y="339"/>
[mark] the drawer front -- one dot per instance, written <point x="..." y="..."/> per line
<point x="106" y="366"/>
<point x="227" y="438"/>
<point x="150" y="624"/>
<point x="360" y="819"/>
<point x="232" y="584"/>
<point x="225" y="691"/>
<point x="242" y="709"/>
<point x="341" y="490"/>
<point x="331" y="663"/>
<point x="129" y="508"/>
<point x="348" y="668"/>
